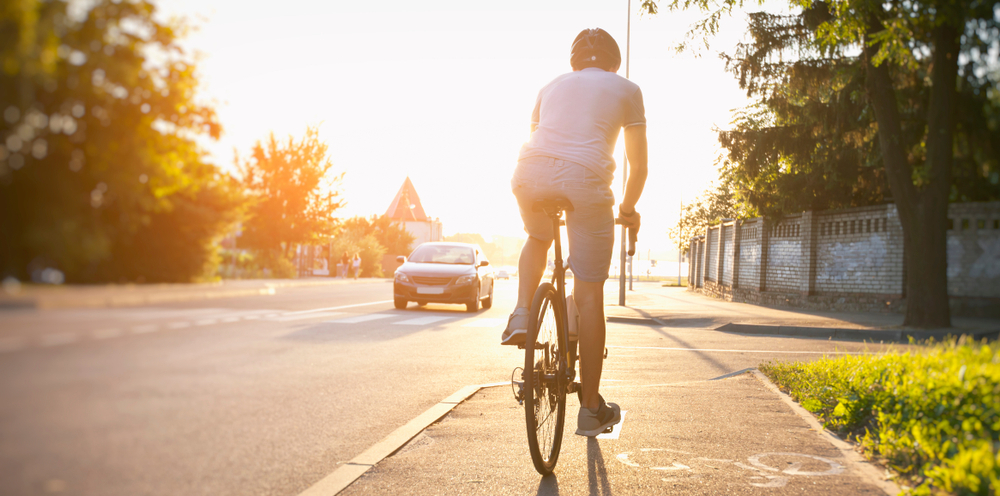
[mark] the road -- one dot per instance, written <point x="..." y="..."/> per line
<point x="268" y="394"/>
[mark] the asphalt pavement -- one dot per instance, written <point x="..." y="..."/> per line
<point x="271" y="394"/>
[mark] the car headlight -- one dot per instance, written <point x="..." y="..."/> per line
<point x="401" y="277"/>
<point x="461" y="281"/>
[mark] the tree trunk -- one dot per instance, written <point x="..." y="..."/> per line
<point x="923" y="212"/>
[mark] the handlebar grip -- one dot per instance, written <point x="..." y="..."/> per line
<point x="633" y="236"/>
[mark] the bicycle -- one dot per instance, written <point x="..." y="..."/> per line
<point x="549" y="354"/>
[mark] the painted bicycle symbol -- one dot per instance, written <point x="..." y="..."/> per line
<point x="761" y="464"/>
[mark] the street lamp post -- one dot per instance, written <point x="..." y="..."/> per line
<point x="628" y="53"/>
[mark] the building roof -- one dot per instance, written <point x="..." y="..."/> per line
<point x="406" y="205"/>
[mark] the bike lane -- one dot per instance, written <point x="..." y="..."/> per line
<point x="680" y="434"/>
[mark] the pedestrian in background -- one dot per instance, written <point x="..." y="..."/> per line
<point x="344" y="261"/>
<point x="357" y="265"/>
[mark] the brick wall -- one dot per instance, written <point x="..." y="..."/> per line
<point x="860" y="251"/>
<point x="974" y="249"/>
<point x="749" y="254"/>
<point x="784" y="260"/>
<point x="849" y="259"/>
<point x="728" y="231"/>
<point x="712" y="254"/>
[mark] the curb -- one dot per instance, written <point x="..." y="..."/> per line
<point x="129" y="297"/>
<point x="350" y="471"/>
<point x="887" y="335"/>
<point x="858" y="463"/>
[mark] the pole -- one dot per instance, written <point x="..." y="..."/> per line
<point x="680" y="217"/>
<point x="628" y="53"/>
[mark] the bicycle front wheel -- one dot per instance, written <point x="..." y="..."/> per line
<point x="544" y="379"/>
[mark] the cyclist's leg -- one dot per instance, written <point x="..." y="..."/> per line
<point x="530" y="268"/>
<point x="589" y="298"/>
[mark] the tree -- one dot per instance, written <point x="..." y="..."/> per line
<point x="708" y="209"/>
<point x="100" y="174"/>
<point x="392" y="235"/>
<point x="915" y="117"/>
<point x="293" y="194"/>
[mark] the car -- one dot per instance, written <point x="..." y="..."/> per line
<point x="443" y="272"/>
<point x="502" y="274"/>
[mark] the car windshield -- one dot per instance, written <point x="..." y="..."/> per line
<point x="443" y="254"/>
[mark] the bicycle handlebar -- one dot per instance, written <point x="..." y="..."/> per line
<point x="633" y="236"/>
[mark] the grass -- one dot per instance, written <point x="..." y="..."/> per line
<point x="933" y="416"/>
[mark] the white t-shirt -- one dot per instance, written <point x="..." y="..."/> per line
<point x="578" y="117"/>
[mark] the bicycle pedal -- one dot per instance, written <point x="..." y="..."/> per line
<point x="609" y="429"/>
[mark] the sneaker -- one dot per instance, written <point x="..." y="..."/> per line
<point x="517" y="328"/>
<point x="593" y="422"/>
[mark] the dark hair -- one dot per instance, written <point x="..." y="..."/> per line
<point x="594" y="48"/>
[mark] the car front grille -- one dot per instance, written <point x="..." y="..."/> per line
<point x="431" y="281"/>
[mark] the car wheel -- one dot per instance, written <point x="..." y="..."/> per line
<point x="473" y="304"/>
<point x="488" y="302"/>
<point x="399" y="303"/>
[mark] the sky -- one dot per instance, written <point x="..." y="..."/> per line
<point x="441" y="91"/>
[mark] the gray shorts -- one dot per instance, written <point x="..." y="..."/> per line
<point x="590" y="225"/>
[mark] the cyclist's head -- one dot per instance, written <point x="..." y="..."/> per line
<point x="595" y="48"/>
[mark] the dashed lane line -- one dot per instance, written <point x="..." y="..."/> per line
<point x="108" y="333"/>
<point x="59" y="339"/>
<point x="361" y="318"/>
<point x="294" y="317"/>
<point x="145" y="329"/>
<point x="314" y="310"/>
<point x="423" y="320"/>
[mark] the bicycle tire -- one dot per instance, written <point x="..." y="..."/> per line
<point x="544" y="379"/>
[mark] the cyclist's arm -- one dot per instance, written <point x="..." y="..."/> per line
<point x="635" y="149"/>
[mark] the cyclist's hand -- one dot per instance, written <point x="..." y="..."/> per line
<point x="630" y="220"/>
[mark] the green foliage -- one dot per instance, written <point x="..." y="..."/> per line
<point x="293" y="194"/>
<point x="708" y="209"/>
<point x="100" y="173"/>
<point x="811" y="139"/>
<point x="934" y="415"/>
<point x="390" y="234"/>
<point x="359" y="242"/>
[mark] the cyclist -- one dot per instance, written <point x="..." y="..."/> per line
<point x="574" y="128"/>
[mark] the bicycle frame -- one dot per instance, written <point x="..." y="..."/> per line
<point x="559" y="281"/>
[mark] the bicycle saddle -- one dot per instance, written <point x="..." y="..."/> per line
<point x="552" y="205"/>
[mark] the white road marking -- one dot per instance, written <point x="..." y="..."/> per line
<point x="106" y="333"/>
<point x="486" y="322"/>
<point x="11" y="344"/>
<point x="59" y="339"/>
<point x="744" y="351"/>
<point x="337" y="308"/>
<point x="793" y="469"/>
<point x="616" y="430"/>
<point x="423" y="320"/>
<point x="319" y="315"/>
<point x="230" y="319"/>
<point x="251" y="317"/>
<point x="361" y="318"/>
<point x="144" y="329"/>
<point x="203" y="322"/>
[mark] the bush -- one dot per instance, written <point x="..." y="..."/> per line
<point x="933" y="416"/>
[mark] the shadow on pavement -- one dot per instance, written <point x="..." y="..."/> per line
<point x="597" y="474"/>
<point x="704" y="356"/>
<point x="548" y="485"/>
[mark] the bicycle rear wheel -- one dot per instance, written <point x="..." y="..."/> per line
<point x="544" y="380"/>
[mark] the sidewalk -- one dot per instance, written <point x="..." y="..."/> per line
<point x="652" y="304"/>
<point x="117" y="295"/>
